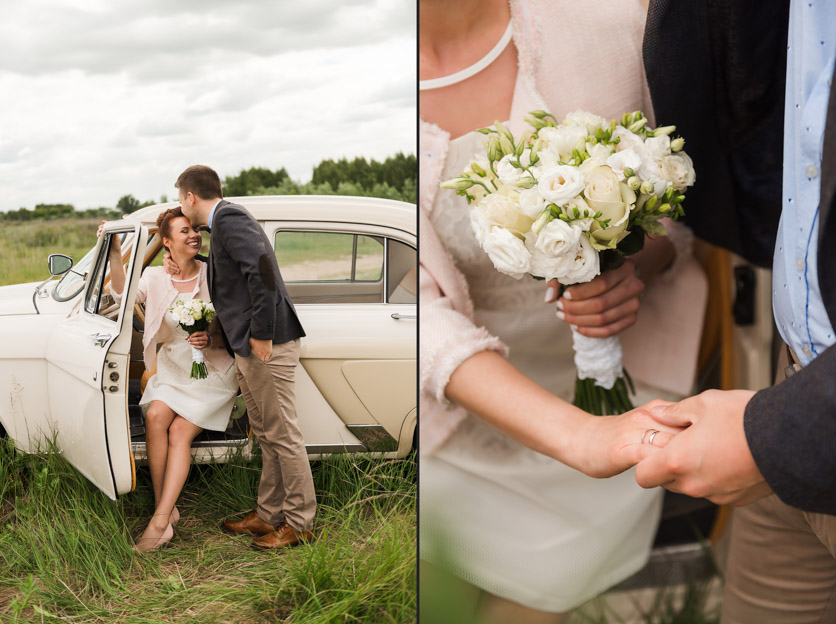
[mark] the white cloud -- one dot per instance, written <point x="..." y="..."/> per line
<point x="100" y="99"/>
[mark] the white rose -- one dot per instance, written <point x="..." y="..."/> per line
<point x="614" y="199"/>
<point x="558" y="239"/>
<point x="480" y="224"/>
<point x="507" y="252"/>
<point x="508" y="173"/>
<point x="175" y="316"/>
<point x="561" y="141"/>
<point x="626" y="139"/>
<point x="678" y="169"/>
<point x="598" y="155"/>
<point x="586" y="264"/>
<point x="560" y="184"/>
<point x="583" y="118"/>
<point x="659" y="147"/>
<point x="502" y="211"/>
<point x="627" y="158"/>
<point x="188" y="321"/>
<point x="532" y="203"/>
<point x="546" y="266"/>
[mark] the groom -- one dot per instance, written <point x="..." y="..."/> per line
<point x="261" y="328"/>
<point x="740" y="445"/>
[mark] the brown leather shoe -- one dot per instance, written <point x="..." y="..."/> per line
<point x="251" y="524"/>
<point x="282" y="537"/>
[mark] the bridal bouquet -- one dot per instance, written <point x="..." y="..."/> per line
<point x="569" y="200"/>
<point x="194" y="316"/>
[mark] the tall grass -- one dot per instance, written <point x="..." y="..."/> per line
<point x="24" y="246"/>
<point x="65" y="549"/>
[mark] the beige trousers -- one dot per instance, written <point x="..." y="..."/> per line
<point x="782" y="566"/>
<point x="286" y="490"/>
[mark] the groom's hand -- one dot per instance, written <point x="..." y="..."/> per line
<point x="607" y="305"/>
<point x="710" y="458"/>
<point x="262" y="349"/>
<point x="171" y="267"/>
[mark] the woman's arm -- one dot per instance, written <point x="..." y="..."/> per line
<point x="490" y="387"/>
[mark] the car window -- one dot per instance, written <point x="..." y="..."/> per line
<point x="100" y="299"/>
<point x="402" y="273"/>
<point x="331" y="267"/>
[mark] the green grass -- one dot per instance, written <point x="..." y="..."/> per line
<point x="65" y="549"/>
<point x="24" y="246"/>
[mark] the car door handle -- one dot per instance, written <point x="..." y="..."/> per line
<point x="99" y="339"/>
<point x="397" y="316"/>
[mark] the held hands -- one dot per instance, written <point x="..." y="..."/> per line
<point x="603" y="307"/>
<point x="610" y="445"/>
<point x="710" y="458"/>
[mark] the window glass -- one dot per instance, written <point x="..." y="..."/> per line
<point x="331" y="267"/>
<point x="402" y="268"/>
<point x="104" y="294"/>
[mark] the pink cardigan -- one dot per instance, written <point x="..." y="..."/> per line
<point x="158" y="293"/>
<point x="661" y="348"/>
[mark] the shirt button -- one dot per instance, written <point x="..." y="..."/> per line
<point x="799" y="264"/>
<point x="806" y="351"/>
<point x="812" y="171"/>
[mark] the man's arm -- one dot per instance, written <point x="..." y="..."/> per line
<point x="791" y="431"/>
<point x="741" y="445"/>
<point x="240" y="236"/>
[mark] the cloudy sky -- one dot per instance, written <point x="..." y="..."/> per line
<point x="100" y="98"/>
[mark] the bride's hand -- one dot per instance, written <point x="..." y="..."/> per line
<point x="115" y="242"/>
<point x="606" y="306"/>
<point x="609" y="445"/>
<point x="199" y="339"/>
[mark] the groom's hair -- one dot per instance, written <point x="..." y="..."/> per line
<point x="200" y="180"/>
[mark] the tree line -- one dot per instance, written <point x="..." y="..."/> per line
<point x="394" y="178"/>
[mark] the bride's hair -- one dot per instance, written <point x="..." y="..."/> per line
<point x="165" y="218"/>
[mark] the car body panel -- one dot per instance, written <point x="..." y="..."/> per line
<point x="356" y="380"/>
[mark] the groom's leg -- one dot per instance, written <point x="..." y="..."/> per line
<point x="272" y="386"/>
<point x="270" y="487"/>
<point x="782" y="568"/>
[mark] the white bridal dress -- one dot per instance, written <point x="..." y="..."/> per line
<point x="500" y="516"/>
<point x="206" y="403"/>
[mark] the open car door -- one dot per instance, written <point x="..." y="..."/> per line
<point x="87" y="369"/>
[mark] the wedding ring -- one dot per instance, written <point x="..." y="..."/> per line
<point x="652" y="433"/>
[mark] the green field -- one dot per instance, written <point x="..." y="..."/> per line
<point x="24" y="246"/>
<point x="65" y="549"/>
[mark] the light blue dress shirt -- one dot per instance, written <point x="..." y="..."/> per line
<point x="796" y="299"/>
<point x="212" y="215"/>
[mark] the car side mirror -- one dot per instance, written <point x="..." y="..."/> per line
<point x="59" y="264"/>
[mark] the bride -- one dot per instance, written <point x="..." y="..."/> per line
<point x="528" y="537"/>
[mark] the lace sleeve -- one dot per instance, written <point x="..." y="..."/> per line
<point x="448" y="339"/>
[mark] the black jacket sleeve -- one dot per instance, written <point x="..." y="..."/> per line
<point x="791" y="431"/>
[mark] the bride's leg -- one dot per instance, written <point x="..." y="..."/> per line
<point x="495" y="610"/>
<point x="180" y="436"/>
<point x="158" y="418"/>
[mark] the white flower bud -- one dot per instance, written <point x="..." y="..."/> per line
<point x="457" y="184"/>
<point x="634" y="183"/>
<point x="677" y="144"/>
<point x="646" y="187"/>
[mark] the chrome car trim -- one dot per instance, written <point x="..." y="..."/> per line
<point x="333" y="449"/>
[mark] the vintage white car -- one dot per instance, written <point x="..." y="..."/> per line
<point x="71" y="365"/>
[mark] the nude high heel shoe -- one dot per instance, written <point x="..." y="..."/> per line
<point x="162" y="540"/>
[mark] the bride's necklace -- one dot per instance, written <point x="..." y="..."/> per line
<point x="185" y="280"/>
<point x="467" y="72"/>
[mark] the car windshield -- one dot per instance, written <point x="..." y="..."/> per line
<point x="73" y="281"/>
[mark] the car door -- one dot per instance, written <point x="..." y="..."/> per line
<point x="87" y="369"/>
<point x="354" y="287"/>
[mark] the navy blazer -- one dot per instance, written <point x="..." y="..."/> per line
<point x="245" y="283"/>
<point x="717" y="69"/>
